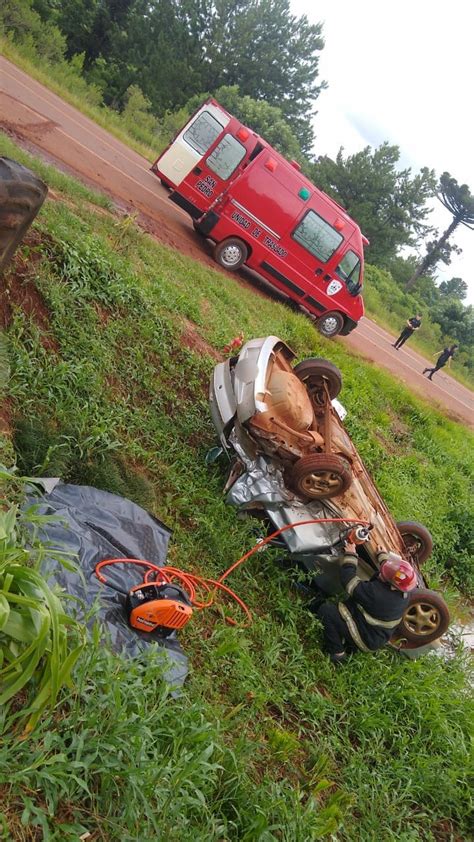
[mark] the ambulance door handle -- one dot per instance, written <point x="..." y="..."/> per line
<point x="326" y="277"/>
<point x="318" y="272"/>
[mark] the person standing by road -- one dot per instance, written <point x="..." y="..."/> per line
<point x="411" y="325"/>
<point x="366" y="620"/>
<point x="445" y="356"/>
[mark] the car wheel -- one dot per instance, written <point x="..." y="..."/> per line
<point x="320" y="476"/>
<point x="231" y="253"/>
<point x="417" y="540"/>
<point x="314" y="372"/>
<point x="21" y="195"/>
<point x="425" y="619"/>
<point x="330" y="324"/>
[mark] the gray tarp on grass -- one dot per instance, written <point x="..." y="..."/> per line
<point x="93" y="525"/>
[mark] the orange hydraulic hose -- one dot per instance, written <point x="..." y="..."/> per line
<point x="192" y="583"/>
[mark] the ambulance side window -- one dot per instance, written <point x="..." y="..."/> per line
<point x="226" y="157"/>
<point x="317" y="236"/>
<point x="202" y="133"/>
<point x="349" y="269"/>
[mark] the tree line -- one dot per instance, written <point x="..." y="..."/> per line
<point x="155" y="61"/>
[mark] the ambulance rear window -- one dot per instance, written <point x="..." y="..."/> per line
<point x="202" y="133"/>
<point x="226" y="157"/>
<point x="317" y="236"/>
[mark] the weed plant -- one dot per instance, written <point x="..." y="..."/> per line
<point x="268" y="741"/>
<point x="38" y="642"/>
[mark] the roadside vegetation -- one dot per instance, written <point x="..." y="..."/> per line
<point x="110" y="339"/>
<point x="140" y="70"/>
<point x="64" y="78"/>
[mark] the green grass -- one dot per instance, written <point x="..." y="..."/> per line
<point x="268" y="741"/>
<point x="36" y="636"/>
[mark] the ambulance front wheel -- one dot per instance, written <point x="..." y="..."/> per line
<point x="330" y="324"/>
<point x="231" y="253"/>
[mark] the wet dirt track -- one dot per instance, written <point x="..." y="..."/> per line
<point x="49" y="126"/>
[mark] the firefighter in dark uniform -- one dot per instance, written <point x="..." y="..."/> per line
<point x="367" y="619"/>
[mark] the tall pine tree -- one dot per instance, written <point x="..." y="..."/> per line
<point x="459" y="201"/>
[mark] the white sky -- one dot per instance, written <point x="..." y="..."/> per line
<point x="401" y="72"/>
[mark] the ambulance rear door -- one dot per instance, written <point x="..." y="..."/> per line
<point x="204" y="157"/>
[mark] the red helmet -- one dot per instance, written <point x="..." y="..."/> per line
<point x="398" y="572"/>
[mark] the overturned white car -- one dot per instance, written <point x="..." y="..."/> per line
<point x="291" y="460"/>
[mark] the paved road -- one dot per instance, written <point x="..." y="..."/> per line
<point x="49" y="126"/>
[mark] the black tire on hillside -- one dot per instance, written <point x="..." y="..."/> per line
<point x="21" y="195"/>
<point x="417" y="540"/>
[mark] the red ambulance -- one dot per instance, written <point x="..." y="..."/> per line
<point x="260" y="210"/>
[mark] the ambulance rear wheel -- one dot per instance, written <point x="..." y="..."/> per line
<point x="231" y="253"/>
<point x="330" y="324"/>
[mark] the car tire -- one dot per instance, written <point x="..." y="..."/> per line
<point x="313" y="372"/>
<point x="320" y="476"/>
<point x="231" y="253"/>
<point x="21" y="195"/>
<point x="330" y="324"/>
<point x="417" y="540"/>
<point x="425" y="619"/>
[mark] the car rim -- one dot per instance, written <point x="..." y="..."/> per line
<point x="313" y="383"/>
<point x="412" y="544"/>
<point x="231" y="255"/>
<point x="422" y="618"/>
<point x="321" y="482"/>
<point x="330" y="325"/>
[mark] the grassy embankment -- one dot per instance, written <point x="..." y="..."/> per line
<point x="110" y="361"/>
<point x="386" y="302"/>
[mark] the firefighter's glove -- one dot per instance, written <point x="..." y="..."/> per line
<point x="350" y="548"/>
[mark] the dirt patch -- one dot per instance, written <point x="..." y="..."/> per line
<point x="444" y="831"/>
<point x="192" y="339"/>
<point x="288" y="718"/>
<point x="18" y="289"/>
<point x="12" y="808"/>
<point x="28" y="130"/>
<point x="6" y="416"/>
<point x="389" y="446"/>
<point x="103" y="315"/>
<point x="206" y="308"/>
<point x="116" y="388"/>
<point x="401" y="431"/>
